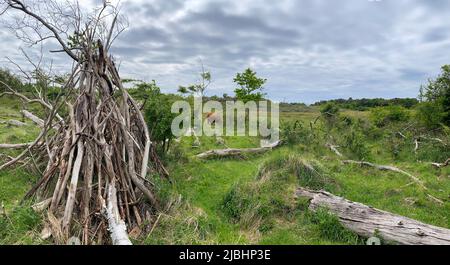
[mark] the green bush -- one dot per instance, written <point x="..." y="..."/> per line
<point x="383" y="116"/>
<point x="157" y="112"/>
<point x="329" y="110"/>
<point x="436" y="97"/>
<point x="11" y="80"/>
<point x="159" y="118"/>
<point x="430" y="114"/>
<point x="295" y="132"/>
<point x="355" y="142"/>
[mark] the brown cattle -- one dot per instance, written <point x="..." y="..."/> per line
<point x="213" y="117"/>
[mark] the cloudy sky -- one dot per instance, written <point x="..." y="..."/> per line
<point x="307" y="49"/>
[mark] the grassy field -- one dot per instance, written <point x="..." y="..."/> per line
<point x="250" y="199"/>
<point x="204" y="185"/>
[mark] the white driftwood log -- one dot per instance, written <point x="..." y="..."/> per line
<point x="334" y="149"/>
<point x="237" y="151"/>
<point x="14" y="146"/>
<point x="34" y="118"/>
<point x="367" y="221"/>
<point x="386" y="168"/>
<point x="13" y="123"/>
<point x="117" y="226"/>
<point x="441" y="165"/>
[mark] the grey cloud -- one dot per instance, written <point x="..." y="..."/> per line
<point x="308" y="49"/>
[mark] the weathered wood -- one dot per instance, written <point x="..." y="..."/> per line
<point x="99" y="155"/>
<point x="34" y="118"/>
<point x="441" y="165"/>
<point x="13" y="123"/>
<point x="73" y="187"/>
<point x="14" y="146"/>
<point x="117" y="226"/>
<point x="334" y="149"/>
<point x="367" y="221"/>
<point x="386" y="168"/>
<point x="41" y="206"/>
<point x="237" y="151"/>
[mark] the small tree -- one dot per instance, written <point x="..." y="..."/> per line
<point x="250" y="86"/>
<point x="436" y="97"/>
<point x="200" y="88"/>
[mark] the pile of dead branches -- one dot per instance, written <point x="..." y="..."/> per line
<point x="94" y="185"/>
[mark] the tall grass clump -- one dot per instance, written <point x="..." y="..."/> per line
<point x="257" y="205"/>
<point x="20" y="226"/>
<point x="180" y="224"/>
<point x="329" y="227"/>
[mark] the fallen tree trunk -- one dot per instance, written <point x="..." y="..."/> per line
<point x="441" y="165"/>
<point x="367" y="221"/>
<point x="13" y="123"/>
<point x="14" y="146"/>
<point x="34" y="118"/>
<point x="386" y="168"/>
<point x="334" y="149"/>
<point x="237" y="151"/>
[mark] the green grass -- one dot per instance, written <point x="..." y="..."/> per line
<point x="250" y="199"/>
<point x="209" y="185"/>
<point x="21" y="224"/>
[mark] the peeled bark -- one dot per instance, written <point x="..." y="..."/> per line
<point x="367" y="221"/>
<point x="117" y="226"/>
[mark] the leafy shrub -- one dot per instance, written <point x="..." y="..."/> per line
<point x="355" y="142"/>
<point x="436" y="96"/>
<point x="159" y="118"/>
<point x="347" y="121"/>
<point x="11" y="80"/>
<point x="329" y="110"/>
<point x="429" y="114"/>
<point x="383" y="116"/>
<point x="157" y="111"/>
<point x="295" y="132"/>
